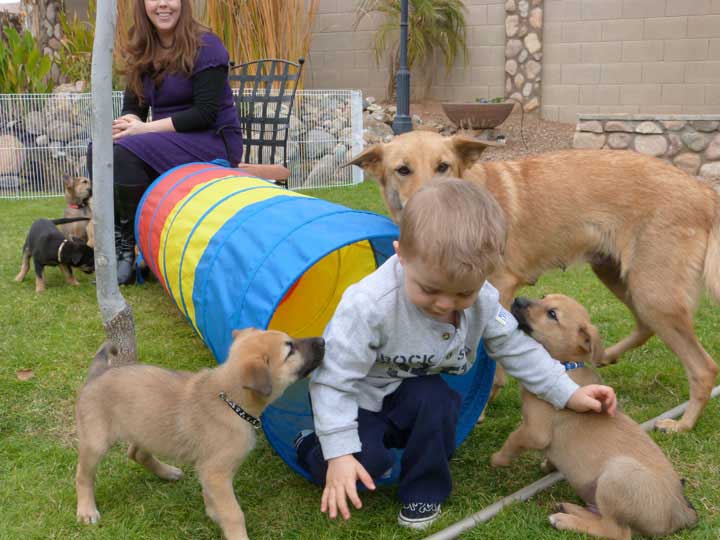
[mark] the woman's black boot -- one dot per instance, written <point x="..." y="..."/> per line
<point x="127" y="198"/>
<point x="125" y="253"/>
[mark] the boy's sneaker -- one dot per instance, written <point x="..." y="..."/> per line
<point x="418" y="515"/>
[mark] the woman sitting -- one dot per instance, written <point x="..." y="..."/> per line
<point x="179" y="69"/>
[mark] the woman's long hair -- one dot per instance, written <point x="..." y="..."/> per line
<point x="144" y="53"/>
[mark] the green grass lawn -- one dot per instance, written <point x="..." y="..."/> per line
<point x="56" y="335"/>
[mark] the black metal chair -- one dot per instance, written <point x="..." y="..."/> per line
<point x="264" y="102"/>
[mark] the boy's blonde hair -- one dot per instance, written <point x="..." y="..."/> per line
<point x="454" y="226"/>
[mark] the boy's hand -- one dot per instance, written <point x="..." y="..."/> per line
<point x="341" y="483"/>
<point x="593" y="397"/>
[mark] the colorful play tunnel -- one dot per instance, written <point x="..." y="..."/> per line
<point x="235" y="251"/>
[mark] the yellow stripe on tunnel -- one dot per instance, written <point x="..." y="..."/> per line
<point x="308" y="308"/>
<point x="231" y="192"/>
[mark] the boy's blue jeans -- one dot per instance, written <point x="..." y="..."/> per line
<point x="420" y="416"/>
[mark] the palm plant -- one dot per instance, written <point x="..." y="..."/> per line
<point x="435" y="28"/>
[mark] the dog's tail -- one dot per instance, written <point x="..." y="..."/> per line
<point x="105" y="359"/>
<point x="61" y="221"/>
<point x="712" y="257"/>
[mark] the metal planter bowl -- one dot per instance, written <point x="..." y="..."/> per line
<point x="477" y="115"/>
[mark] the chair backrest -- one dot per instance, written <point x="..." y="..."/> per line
<point x="264" y="102"/>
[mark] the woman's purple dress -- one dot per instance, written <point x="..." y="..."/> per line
<point x="165" y="150"/>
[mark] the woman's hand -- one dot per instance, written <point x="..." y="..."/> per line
<point x="593" y="397"/>
<point x="121" y="123"/>
<point x="341" y="483"/>
<point x="127" y="125"/>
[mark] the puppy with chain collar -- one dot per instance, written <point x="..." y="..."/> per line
<point x="622" y="475"/>
<point x="47" y="246"/>
<point x="207" y="419"/>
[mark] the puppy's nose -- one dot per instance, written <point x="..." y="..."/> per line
<point x="520" y="303"/>
<point x="318" y="346"/>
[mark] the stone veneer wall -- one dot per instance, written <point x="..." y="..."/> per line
<point x="523" y="51"/>
<point x="691" y="142"/>
<point x="44" y="18"/>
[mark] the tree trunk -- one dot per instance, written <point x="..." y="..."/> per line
<point x="115" y="312"/>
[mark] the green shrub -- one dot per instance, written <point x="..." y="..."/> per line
<point x="23" y="66"/>
<point x="77" y="45"/>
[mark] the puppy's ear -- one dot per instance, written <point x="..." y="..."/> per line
<point x="591" y="343"/>
<point x="76" y="257"/>
<point x="257" y="378"/>
<point x="244" y="332"/>
<point x="468" y="149"/>
<point x="67" y="180"/>
<point x="370" y="160"/>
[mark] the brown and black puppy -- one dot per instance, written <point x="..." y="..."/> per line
<point x="47" y="246"/>
<point x="617" y="469"/>
<point x="78" y="192"/>
<point x="623" y="212"/>
<point x="197" y="418"/>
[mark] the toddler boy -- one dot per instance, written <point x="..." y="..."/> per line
<point x="420" y="314"/>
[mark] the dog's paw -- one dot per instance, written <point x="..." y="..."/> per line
<point x="560" y="521"/>
<point x="88" y="517"/>
<point x="610" y="357"/>
<point x="668" y="425"/>
<point x="500" y="460"/>
<point x="171" y="473"/>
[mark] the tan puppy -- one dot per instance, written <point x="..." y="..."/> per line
<point x="205" y="418"/>
<point x="78" y="191"/>
<point x="623" y="476"/>
<point x="90" y="230"/>
<point x="650" y="231"/>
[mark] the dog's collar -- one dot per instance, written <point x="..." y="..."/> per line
<point x="62" y="245"/>
<point x="569" y="366"/>
<point x="242" y="413"/>
<point x="83" y="204"/>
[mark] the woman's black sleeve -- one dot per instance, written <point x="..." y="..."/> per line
<point x="131" y="105"/>
<point x="208" y="86"/>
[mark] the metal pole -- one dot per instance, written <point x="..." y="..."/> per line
<point x="486" y="514"/>
<point x="402" y="122"/>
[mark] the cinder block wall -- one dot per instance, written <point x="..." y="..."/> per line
<point x="634" y="56"/>
<point x="340" y="58"/>
<point x="637" y="56"/>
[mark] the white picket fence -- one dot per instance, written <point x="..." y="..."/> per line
<point x="44" y="136"/>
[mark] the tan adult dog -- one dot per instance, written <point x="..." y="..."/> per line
<point x="206" y="418"/>
<point x="623" y="476"/>
<point x="78" y="191"/>
<point x="650" y="232"/>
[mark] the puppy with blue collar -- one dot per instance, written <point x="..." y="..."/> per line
<point x="624" y="478"/>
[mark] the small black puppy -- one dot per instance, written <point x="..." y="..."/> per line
<point x="47" y="246"/>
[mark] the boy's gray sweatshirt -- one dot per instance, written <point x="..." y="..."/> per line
<point x="377" y="338"/>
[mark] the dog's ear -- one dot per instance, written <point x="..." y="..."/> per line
<point x="76" y="257"/>
<point x="244" y="332"/>
<point x="590" y="343"/>
<point x="369" y="160"/>
<point x="257" y="378"/>
<point x="469" y="149"/>
<point x="67" y="180"/>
